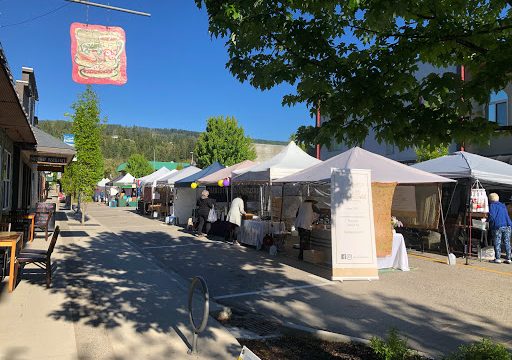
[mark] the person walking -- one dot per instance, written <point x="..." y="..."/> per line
<point x="500" y="226"/>
<point x="234" y="219"/>
<point x="303" y="222"/>
<point x="204" y="205"/>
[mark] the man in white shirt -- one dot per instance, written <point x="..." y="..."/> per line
<point x="303" y="222"/>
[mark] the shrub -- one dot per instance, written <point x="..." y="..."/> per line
<point x="482" y="350"/>
<point x="393" y="348"/>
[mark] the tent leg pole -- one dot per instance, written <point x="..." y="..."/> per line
<point x="282" y="203"/>
<point x="444" y="227"/>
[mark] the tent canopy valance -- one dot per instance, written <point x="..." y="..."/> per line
<point x="225" y="173"/>
<point x="383" y="170"/>
<point x="194" y="177"/>
<point x="170" y="179"/>
<point x="462" y="164"/>
<point x="289" y="161"/>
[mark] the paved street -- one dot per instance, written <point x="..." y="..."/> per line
<point x="436" y="306"/>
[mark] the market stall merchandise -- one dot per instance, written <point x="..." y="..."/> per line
<point x="100" y="191"/>
<point x="147" y="185"/>
<point x="421" y="189"/>
<point x="466" y="201"/>
<point x="122" y="191"/>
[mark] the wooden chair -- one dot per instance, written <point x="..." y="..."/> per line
<point x="5" y="227"/>
<point x="41" y="258"/>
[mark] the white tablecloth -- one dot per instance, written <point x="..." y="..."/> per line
<point x="252" y="232"/>
<point x="398" y="258"/>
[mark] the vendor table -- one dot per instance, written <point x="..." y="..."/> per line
<point x="398" y="258"/>
<point x="11" y="240"/>
<point x="252" y="232"/>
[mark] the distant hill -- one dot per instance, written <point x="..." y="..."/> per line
<point x="119" y="142"/>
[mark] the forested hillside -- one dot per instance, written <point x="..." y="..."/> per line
<point x="119" y="142"/>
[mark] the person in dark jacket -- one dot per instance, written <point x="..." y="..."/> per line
<point x="204" y="205"/>
<point x="500" y="226"/>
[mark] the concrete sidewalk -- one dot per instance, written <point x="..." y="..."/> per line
<point x="108" y="301"/>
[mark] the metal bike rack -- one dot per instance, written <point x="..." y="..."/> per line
<point x="206" y="309"/>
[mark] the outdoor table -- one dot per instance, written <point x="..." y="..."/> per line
<point x="398" y="258"/>
<point x="252" y="232"/>
<point x="11" y="240"/>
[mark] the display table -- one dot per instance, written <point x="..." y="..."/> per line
<point x="252" y="232"/>
<point x="398" y="258"/>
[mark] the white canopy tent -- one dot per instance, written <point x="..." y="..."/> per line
<point x="289" y="161"/>
<point x="462" y="164"/>
<point x="171" y="178"/>
<point x="126" y="179"/>
<point x="383" y="169"/>
<point x="103" y="182"/>
<point x="155" y="176"/>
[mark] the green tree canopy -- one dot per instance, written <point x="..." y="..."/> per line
<point x="223" y="141"/>
<point x="87" y="170"/>
<point x="138" y="166"/>
<point x="359" y="59"/>
<point x="427" y="152"/>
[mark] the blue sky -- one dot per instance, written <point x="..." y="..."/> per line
<point x="176" y="73"/>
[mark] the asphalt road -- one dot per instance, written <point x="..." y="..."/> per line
<point x="436" y="306"/>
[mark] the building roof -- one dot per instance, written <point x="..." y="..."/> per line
<point x="13" y="117"/>
<point x="46" y="141"/>
<point x="157" y="165"/>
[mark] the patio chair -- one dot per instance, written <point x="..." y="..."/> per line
<point x="41" y="258"/>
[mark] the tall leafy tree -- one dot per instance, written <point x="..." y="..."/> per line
<point x="138" y="166"/>
<point x="358" y="61"/>
<point x="426" y="152"/>
<point x="223" y="141"/>
<point x="87" y="170"/>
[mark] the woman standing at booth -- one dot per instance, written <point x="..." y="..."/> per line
<point x="204" y="205"/>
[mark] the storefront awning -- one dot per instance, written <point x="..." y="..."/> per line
<point x="12" y="116"/>
<point x="51" y="154"/>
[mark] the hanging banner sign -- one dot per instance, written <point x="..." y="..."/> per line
<point x="98" y="54"/>
<point x="354" y="255"/>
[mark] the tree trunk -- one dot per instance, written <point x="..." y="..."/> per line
<point x="82" y="209"/>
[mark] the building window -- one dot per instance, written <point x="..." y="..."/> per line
<point x="497" y="111"/>
<point x="6" y="179"/>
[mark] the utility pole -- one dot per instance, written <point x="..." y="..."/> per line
<point x="318" y="125"/>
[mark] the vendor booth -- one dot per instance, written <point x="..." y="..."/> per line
<point x="150" y="197"/>
<point x="165" y="187"/>
<point x="466" y="203"/>
<point x="396" y="189"/>
<point x="100" y="191"/>
<point x="122" y="191"/>
<point x="255" y="184"/>
<point x="187" y="191"/>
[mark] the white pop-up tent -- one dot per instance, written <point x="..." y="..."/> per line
<point x="170" y="179"/>
<point x="464" y="165"/>
<point x="384" y="170"/>
<point x="155" y="176"/>
<point x="103" y="182"/>
<point x="419" y="199"/>
<point x="290" y="160"/>
<point x="224" y="173"/>
<point x="122" y="180"/>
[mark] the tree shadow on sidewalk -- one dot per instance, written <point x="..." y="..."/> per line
<point x="104" y="288"/>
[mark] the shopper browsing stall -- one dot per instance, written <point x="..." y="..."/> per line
<point x="234" y="219"/>
<point x="303" y="222"/>
<point x="204" y="205"/>
<point x="500" y="226"/>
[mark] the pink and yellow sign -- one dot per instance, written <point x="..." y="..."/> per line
<point x="98" y="54"/>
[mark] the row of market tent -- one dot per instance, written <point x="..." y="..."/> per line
<point x="424" y="195"/>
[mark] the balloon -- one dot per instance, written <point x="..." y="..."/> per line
<point x="220" y="183"/>
<point x="226" y="182"/>
<point x="193" y="185"/>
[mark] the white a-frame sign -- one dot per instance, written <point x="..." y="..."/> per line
<point x="354" y="254"/>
